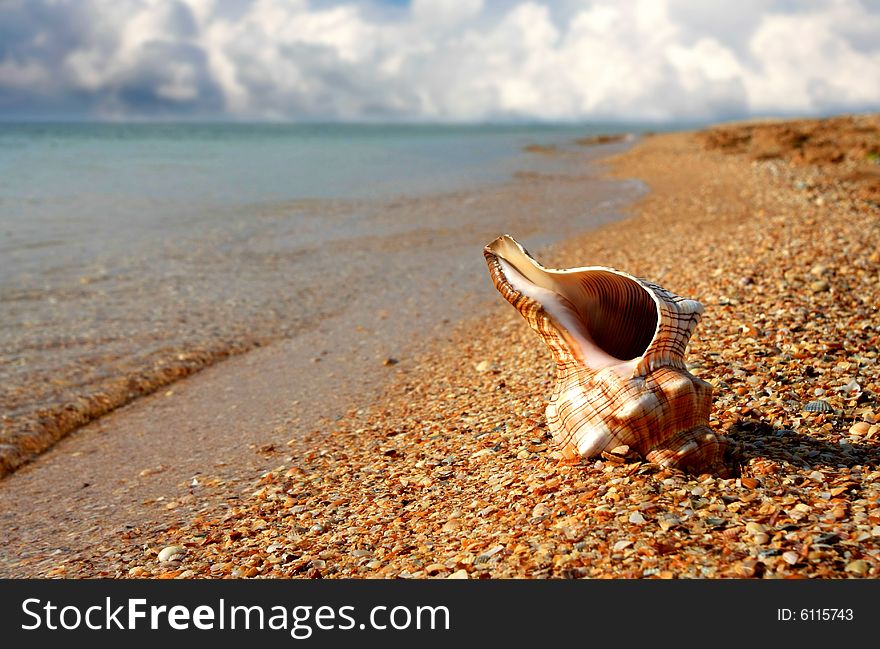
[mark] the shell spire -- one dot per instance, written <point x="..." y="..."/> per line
<point x="619" y="343"/>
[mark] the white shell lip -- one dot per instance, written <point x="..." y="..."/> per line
<point x="511" y="254"/>
<point x="501" y="247"/>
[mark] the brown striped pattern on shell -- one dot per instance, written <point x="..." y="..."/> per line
<point x="619" y="344"/>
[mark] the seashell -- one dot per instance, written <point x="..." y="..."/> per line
<point x="171" y="553"/>
<point x="818" y="406"/>
<point x="619" y="344"/>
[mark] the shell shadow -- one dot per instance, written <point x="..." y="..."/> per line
<point x="759" y="439"/>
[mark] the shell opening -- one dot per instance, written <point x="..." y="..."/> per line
<point x="609" y="316"/>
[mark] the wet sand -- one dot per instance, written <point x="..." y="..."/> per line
<point x="326" y="324"/>
<point x="83" y="335"/>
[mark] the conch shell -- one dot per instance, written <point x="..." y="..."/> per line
<point x="619" y="344"/>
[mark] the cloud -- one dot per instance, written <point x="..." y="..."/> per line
<point x="437" y="59"/>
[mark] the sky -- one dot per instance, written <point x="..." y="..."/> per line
<point x="437" y="60"/>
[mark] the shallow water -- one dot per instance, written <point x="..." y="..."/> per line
<point x="134" y="255"/>
<point x="73" y="191"/>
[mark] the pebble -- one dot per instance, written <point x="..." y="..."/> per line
<point x="488" y="554"/>
<point x="171" y="553"/>
<point x="483" y="366"/>
<point x="493" y="551"/>
<point x="540" y="510"/>
<point x="755" y="528"/>
<point x="859" y="567"/>
<point x="819" y="286"/>
<point x="860" y="428"/>
<point x="668" y="521"/>
<point x="152" y="471"/>
<point x="760" y="538"/>
<point x="434" y="568"/>
<point x="621" y="545"/>
<point x="636" y="518"/>
<point x="459" y="574"/>
<point x="790" y="557"/>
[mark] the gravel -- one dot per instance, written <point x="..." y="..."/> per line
<point x="454" y="474"/>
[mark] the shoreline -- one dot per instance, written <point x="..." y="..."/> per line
<point x="451" y="474"/>
<point x="134" y="467"/>
<point x="100" y="377"/>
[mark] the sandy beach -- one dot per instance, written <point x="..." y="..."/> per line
<point x="329" y="299"/>
<point x="101" y="310"/>
<point x="444" y="467"/>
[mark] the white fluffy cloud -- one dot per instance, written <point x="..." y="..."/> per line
<point x="438" y="59"/>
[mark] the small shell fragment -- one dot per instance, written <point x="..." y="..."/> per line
<point x="171" y="553"/>
<point x="860" y="428"/>
<point x="859" y="567"/>
<point x="755" y="528"/>
<point x="818" y="406"/>
<point x="636" y="518"/>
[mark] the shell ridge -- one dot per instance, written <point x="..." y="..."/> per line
<point x="678" y="319"/>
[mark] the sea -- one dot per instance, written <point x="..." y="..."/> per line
<point x="133" y="254"/>
<point x="74" y="190"/>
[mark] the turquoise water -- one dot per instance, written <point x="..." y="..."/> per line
<point x="45" y="168"/>
<point x="79" y="189"/>
<point x="127" y="251"/>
